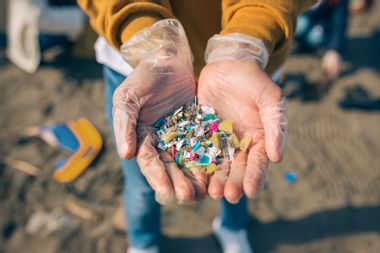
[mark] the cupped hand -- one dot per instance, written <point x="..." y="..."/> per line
<point x="150" y="92"/>
<point x="242" y="92"/>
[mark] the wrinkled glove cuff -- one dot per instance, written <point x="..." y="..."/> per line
<point x="164" y="39"/>
<point x="236" y="46"/>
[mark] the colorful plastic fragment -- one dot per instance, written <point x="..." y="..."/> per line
<point x="215" y="140"/>
<point x="211" y="168"/>
<point x="290" y="177"/>
<point x="245" y="143"/>
<point x="226" y="126"/>
<point x="235" y="141"/>
<point x="196" y="137"/>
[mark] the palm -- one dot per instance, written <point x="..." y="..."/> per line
<point x="240" y="91"/>
<point x="230" y="97"/>
<point x="161" y="90"/>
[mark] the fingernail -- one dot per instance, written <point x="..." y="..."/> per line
<point x="164" y="197"/>
<point x="216" y="197"/>
<point x="235" y="202"/>
<point x="119" y="130"/>
<point x="181" y="197"/>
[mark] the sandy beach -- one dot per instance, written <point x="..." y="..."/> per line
<point x="333" y="207"/>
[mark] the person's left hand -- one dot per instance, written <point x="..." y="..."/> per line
<point x="242" y="92"/>
<point x="331" y="64"/>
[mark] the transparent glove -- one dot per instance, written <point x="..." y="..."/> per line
<point x="235" y="84"/>
<point x="160" y="83"/>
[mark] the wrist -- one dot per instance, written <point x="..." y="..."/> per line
<point x="238" y="47"/>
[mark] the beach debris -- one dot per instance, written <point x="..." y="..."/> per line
<point x="80" y="211"/>
<point x="23" y="166"/>
<point x="37" y="222"/>
<point x="290" y="177"/>
<point x="119" y="222"/>
<point x="78" y="137"/>
<point x="196" y="137"/>
<point x="45" y="223"/>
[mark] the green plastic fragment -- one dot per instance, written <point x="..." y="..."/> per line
<point x="209" y="116"/>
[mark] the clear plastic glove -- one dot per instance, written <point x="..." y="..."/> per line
<point x="239" y="90"/>
<point x="161" y="82"/>
<point x="331" y="64"/>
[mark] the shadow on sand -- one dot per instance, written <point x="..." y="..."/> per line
<point x="265" y="237"/>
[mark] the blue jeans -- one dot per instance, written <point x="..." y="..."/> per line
<point x="141" y="209"/>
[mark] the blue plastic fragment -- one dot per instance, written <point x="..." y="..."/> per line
<point x="160" y="122"/>
<point x="290" y="177"/>
<point x="65" y="137"/>
<point x="196" y="146"/>
<point x="59" y="164"/>
<point x="204" y="159"/>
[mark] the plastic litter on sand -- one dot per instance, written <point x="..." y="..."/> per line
<point x="290" y="177"/>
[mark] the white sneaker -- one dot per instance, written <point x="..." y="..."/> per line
<point x="231" y="241"/>
<point x="152" y="249"/>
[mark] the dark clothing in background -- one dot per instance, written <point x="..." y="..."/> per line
<point x="333" y="16"/>
<point x="61" y="2"/>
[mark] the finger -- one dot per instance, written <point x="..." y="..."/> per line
<point x="234" y="185"/>
<point x="272" y="114"/>
<point x="335" y="69"/>
<point x="218" y="181"/>
<point x="154" y="170"/>
<point x="255" y="172"/>
<point x="199" y="180"/>
<point x="183" y="188"/>
<point x="125" y="112"/>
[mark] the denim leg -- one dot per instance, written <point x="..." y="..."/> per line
<point x="141" y="209"/>
<point x="233" y="216"/>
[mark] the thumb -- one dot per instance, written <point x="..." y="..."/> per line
<point x="125" y="111"/>
<point x="272" y="113"/>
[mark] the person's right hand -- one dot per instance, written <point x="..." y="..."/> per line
<point x="331" y="64"/>
<point x="159" y="84"/>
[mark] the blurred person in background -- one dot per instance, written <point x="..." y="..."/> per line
<point x="360" y="6"/>
<point x="34" y="26"/>
<point x="323" y="29"/>
<point x="147" y="49"/>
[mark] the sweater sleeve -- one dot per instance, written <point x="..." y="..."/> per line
<point x="117" y="21"/>
<point x="272" y="21"/>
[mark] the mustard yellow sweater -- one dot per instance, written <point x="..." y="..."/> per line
<point x="272" y="21"/>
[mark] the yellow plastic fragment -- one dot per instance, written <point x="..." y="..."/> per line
<point x="245" y="143"/>
<point x="211" y="168"/>
<point x="226" y="126"/>
<point x="170" y="136"/>
<point x="235" y="141"/>
<point x="190" y="133"/>
<point x="215" y="140"/>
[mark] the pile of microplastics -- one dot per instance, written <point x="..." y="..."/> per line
<point x="196" y="137"/>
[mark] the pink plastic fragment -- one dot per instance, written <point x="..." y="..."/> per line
<point x="192" y="156"/>
<point x="214" y="126"/>
<point x="174" y="151"/>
